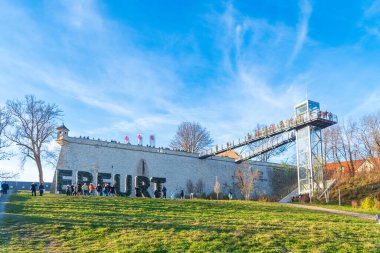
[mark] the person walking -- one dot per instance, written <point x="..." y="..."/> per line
<point x="107" y="189"/>
<point x="4" y="188"/>
<point x="85" y="189"/>
<point x="75" y="192"/>
<point x="182" y="194"/>
<point x="112" y="190"/>
<point x="68" y="190"/>
<point x="80" y="192"/>
<point x="164" y="192"/>
<point x="72" y="189"/>
<point x="41" y="188"/>
<point x="33" y="188"/>
<point x="91" y="188"/>
<point x="99" y="190"/>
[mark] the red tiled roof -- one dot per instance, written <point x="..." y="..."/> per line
<point x="344" y="164"/>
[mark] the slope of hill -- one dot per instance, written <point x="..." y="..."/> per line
<point x="56" y="223"/>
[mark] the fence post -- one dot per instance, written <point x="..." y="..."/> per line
<point x="339" y="197"/>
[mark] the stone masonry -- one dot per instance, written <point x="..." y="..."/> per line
<point x="177" y="167"/>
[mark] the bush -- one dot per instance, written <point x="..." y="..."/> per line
<point x="376" y="204"/>
<point x="263" y="199"/>
<point x="367" y="203"/>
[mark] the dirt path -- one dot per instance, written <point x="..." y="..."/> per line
<point x="317" y="208"/>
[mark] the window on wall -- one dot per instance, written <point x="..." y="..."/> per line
<point x="301" y="109"/>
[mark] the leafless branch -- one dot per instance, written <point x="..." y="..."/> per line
<point x="191" y="137"/>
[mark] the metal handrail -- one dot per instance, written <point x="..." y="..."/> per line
<point x="274" y="129"/>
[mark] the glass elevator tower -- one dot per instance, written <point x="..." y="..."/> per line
<point x="311" y="121"/>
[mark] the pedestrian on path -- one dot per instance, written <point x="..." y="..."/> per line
<point x="164" y="192"/>
<point x="182" y="194"/>
<point x="4" y="188"/>
<point x="41" y="188"/>
<point x="33" y="188"/>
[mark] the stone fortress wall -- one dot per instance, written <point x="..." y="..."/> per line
<point x="88" y="158"/>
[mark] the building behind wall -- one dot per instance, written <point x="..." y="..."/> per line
<point x="118" y="163"/>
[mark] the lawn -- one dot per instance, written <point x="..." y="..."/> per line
<point x="56" y="223"/>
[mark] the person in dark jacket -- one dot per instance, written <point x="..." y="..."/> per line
<point x="164" y="192"/>
<point x="41" y="188"/>
<point x="182" y="194"/>
<point x="80" y="192"/>
<point x="33" y="187"/>
<point x="112" y="190"/>
<point x="107" y="190"/>
<point x="4" y="188"/>
<point x="99" y="190"/>
<point x="68" y="190"/>
<point x="72" y="190"/>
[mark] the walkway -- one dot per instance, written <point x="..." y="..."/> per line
<point x="317" y="208"/>
<point x="3" y="199"/>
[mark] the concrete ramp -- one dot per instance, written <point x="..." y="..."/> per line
<point x="288" y="198"/>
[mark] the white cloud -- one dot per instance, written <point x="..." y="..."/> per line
<point x="373" y="9"/>
<point x="303" y="26"/>
<point x="370" y="21"/>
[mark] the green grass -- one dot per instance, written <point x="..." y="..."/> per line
<point x="56" y="223"/>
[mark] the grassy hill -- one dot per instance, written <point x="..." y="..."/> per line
<point x="355" y="189"/>
<point x="56" y="223"/>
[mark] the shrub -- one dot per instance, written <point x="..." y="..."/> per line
<point x="263" y="199"/>
<point x="367" y="203"/>
<point x="376" y="204"/>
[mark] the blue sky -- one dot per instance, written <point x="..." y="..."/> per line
<point x="121" y="68"/>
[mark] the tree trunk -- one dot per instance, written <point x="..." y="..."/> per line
<point x="39" y="167"/>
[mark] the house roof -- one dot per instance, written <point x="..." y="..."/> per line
<point x="230" y="154"/>
<point x="62" y="127"/>
<point x="344" y="164"/>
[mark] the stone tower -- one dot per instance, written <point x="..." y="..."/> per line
<point x="62" y="133"/>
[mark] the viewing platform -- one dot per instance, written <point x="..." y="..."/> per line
<point x="318" y="118"/>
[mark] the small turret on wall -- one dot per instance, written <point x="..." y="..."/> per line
<point x="62" y="133"/>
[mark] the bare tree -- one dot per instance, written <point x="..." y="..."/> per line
<point x="5" y="175"/>
<point x="34" y="126"/>
<point x="4" y="123"/>
<point x="246" y="177"/>
<point x="370" y="138"/>
<point x="190" y="186"/>
<point x="217" y="187"/>
<point x="191" y="137"/>
<point x="199" y="186"/>
<point x="343" y="145"/>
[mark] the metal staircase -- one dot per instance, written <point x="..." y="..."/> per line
<point x="315" y="118"/>
<point x="272" y="143"/>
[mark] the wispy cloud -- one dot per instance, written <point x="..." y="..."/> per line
<point x="371" y="19"/>
<point x="373" y="9"/>
<point x="303" y="26"/>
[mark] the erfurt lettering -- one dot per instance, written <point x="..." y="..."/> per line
<point x="123" y="185"/>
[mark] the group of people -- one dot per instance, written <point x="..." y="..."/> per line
<point x="41" y="188"/>
<point x="87" y="189"/>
